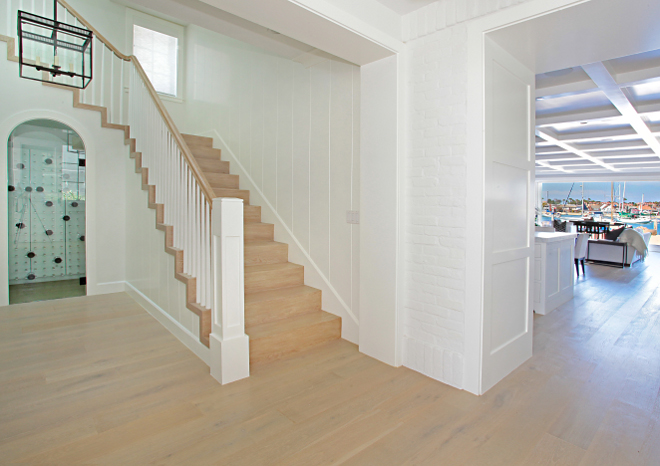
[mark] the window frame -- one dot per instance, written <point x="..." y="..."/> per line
<point x="137" y="18"/>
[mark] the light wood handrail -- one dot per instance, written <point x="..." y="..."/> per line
<point x="209" y="194"/>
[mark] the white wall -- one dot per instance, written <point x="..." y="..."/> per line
<point x="24" y="100"/>
<point x="380" y="170"/>
<point x="295" y="131"/>
<point x="434" y="320"/>
<point x="150" y="270"/>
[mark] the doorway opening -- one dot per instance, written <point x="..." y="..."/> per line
<point x="46" y="212"/>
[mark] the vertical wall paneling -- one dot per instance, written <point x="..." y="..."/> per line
<point x="319" y="163"/>
<point x="341" y="152"/>
<point x="300" y="168"/>
<point x="245" y="114"/>
<point x="284" y="138"/>
<point x="257" y="130"/>
<point x="355" y="192"/>
<point x="233" y="130"/>
<point x="269" y="186"/>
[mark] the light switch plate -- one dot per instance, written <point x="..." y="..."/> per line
<point x="352" y="216"/>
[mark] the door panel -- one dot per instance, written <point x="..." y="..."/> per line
<point x="509" y="242"/>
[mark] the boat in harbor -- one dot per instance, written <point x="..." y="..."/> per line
<point x="633" y="218"/>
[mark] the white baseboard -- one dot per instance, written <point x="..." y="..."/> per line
<point x="180" y="332"/>
<point x="105" y="288"/>
<point x="332" y="302"/>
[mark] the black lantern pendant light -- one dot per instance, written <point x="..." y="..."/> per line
<point x="53" y="51"/>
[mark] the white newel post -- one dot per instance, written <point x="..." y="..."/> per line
<point x="230" y="350"/>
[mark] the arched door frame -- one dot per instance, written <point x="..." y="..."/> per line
<point x="7" y="126"/>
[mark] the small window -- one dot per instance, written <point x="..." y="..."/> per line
<point x="158" y="55"/>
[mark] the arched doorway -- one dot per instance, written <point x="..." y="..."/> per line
<point x="46" y="212"/>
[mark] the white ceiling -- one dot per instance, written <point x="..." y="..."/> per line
<point x="403" y="7"/>
<point x="601" y="118"/>
<point x="359" y="32"/>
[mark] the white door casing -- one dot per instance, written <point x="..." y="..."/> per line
<point x="508" y="227"/>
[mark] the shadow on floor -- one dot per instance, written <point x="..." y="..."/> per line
<point x="31" y="292"/>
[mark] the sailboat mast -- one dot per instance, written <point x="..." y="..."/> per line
<point x="612" y="206"/>
<point x="623" y="197"/>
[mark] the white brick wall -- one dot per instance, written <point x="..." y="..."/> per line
<point x="435" y="193"/>
<point x="434" y="323"/>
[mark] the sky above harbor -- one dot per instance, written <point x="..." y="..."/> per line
<point x="600" y="191"/>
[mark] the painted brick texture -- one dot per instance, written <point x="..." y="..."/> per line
<point x="436" y="196"/>
<point x="436" y="179"/>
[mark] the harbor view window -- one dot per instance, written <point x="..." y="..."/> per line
<point x="632" y="203"/>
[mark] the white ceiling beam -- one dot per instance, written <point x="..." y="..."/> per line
<point x="600" y="75"/>
<point x="553" y="167"/>
<point x="572" y="149"/>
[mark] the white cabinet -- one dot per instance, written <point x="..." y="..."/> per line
<point x="553" y="270"/>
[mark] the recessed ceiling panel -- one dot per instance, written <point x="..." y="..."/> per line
<point x="571" y="103"/>
<point x="644" y="92"/>
<point x="590" y="125"/>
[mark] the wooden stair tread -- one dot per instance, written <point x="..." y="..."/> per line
<point x="203" y="152"/>
<point x="263" y="244"/>
<point x="265" y="252"/>
<point x="287" y="325"/>
<point x="279" y="293"/>
<point x="258" y="231"/>
<point x="222" y="180"/>
<point x="192" y="139"/>
<point x="280" y="303"/>
<point x="281" y="267"/>
<point x="251" y="213"/>
<point x="229" y="192"/>
<point x="212" y="166"/>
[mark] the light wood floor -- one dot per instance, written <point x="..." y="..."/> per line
<point x="97" y="381"/>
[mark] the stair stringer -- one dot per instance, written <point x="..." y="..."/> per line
<point x="203" y="313"/>
<point x="332" y="302"/>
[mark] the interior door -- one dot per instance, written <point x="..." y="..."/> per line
<point x="509" y="240"/>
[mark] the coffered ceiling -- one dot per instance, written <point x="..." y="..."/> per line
<point x="599" y="119"/>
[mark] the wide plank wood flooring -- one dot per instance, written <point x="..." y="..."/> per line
<point x="96" y="380"/>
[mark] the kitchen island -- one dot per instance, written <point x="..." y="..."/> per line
<point x="553" y="270"/>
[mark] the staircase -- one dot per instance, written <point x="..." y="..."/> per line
<point x="282" y="315"/>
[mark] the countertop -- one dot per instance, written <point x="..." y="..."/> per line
<point x="546" y="237"/>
